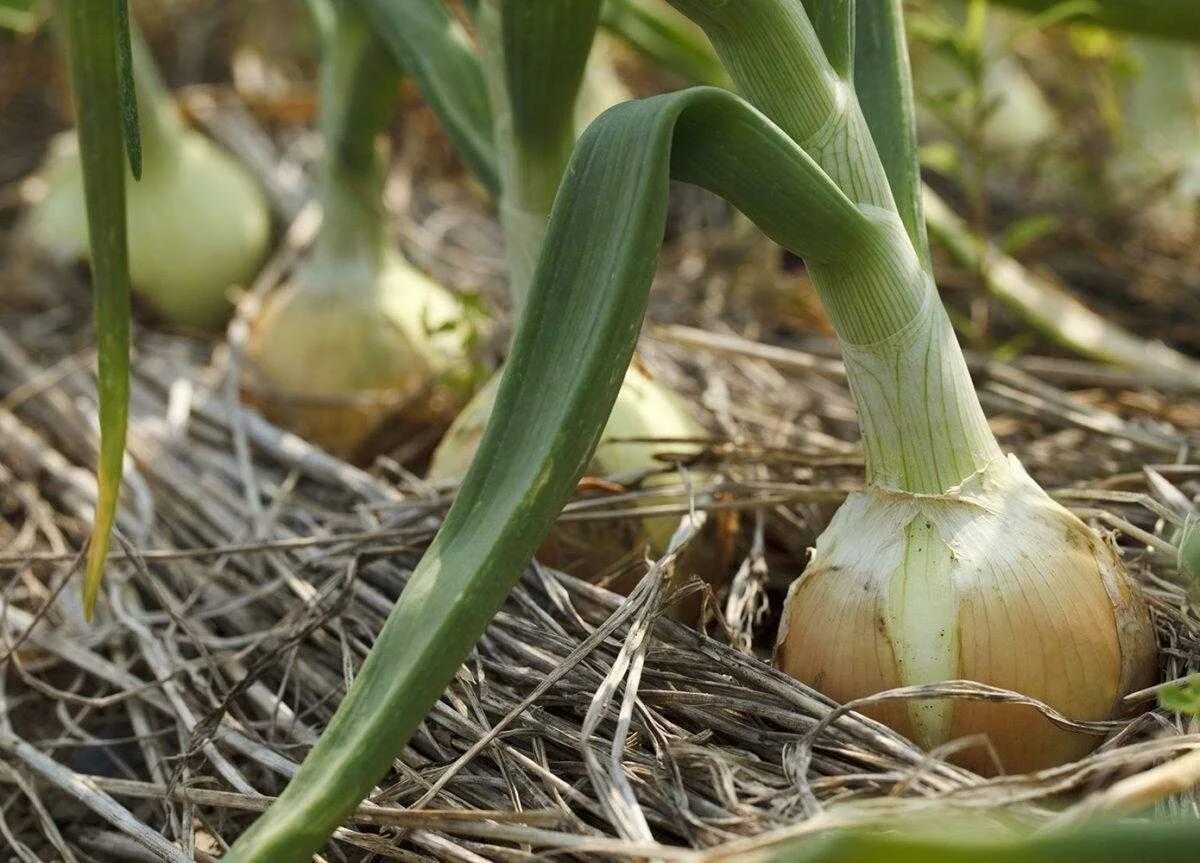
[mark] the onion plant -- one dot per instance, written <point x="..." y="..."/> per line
<point x="96" y="36"/>
<point x="198" y="223"/>
<point x="535" y="55"/>
<point x="359" y="335"/>
<point x="911" y="582"/>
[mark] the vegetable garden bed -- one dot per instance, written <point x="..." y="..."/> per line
<point x="258" y="646"/>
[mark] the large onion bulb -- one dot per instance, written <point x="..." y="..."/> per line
<point x="992" y="581"/>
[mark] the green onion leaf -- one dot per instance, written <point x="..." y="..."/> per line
<point x="129" y="107"/>
<point x="426" y="42"/>
<point x="546" y="45"/>
<point x="883" y="82"/>
<point x="92" y="30"/>
<point x="572" y="346"/>
<point x="658" y="31"/>
<point x="834" y="22"/>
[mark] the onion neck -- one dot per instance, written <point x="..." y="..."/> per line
<point x="923" y="428"/>
<point x="359" y="82"/>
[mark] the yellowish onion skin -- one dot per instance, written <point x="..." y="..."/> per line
<point x="198" y="226"/>
<point x="341" y="351"/>
<point x="992" y="582"/>
<point x="643" y="410"/>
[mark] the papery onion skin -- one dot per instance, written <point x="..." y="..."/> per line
<point x="993" y="582"/>
<point x="341" y="350"/>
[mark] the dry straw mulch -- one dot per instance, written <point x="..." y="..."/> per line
<point x="253" y="572"/>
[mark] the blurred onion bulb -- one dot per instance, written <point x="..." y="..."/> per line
<point x="344" y="348"/>
<point x="198" y="223"/>
<point x="646" y="419"/>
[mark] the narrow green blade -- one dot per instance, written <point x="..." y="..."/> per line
<point x="128" y="93"/>
<point x="91" y="30"/>
<point x="660" y="32"/>
<point x="1172" y="19"/>
<point x="883" y="81"/>
<point x="572" y="346"/>
<point x="425" y="41"/>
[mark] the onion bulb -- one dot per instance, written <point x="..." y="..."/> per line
<point x="952" y="563"/>
<point x="358" y="337"/>
<point x="340" y="350"/>
<point x="646" y="419"/>
<point x="992" y="581"/>
<point x="198" y="223"/>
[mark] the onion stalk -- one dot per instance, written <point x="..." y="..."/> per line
<point x="952" y="563"/>
<point x="197" y="222"/>
<point x="358" y="335"/>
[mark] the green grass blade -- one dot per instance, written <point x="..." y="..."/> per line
<point x="1171" y="19"/>
<point x="572" y="346"/>
<point x="91" y="30"/>
<point x="425" y="41"/>
<point x="660" y="32"/>
<point x="883" y="81"/>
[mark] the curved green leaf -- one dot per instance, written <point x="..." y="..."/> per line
<point x="91" y="30"/>
<point x="427" y="43"/>
<point x="572" y="346"/>
<point x="778" y="62"/>
<point x="660" y="32"/>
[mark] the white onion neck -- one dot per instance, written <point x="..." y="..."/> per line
<point x="923" y="429"/>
